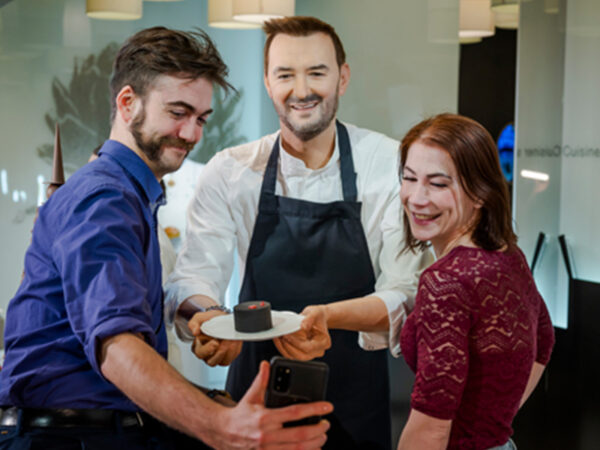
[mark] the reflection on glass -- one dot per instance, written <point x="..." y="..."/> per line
<point x="533" y="175"/>
<point x="4" y="181"/>
<point x="41" y="190"/>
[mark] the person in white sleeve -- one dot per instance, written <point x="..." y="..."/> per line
<point x="314" y="213"/>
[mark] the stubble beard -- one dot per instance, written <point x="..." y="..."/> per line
<point x="153" y="145"/>
<point x="309" y="131"/>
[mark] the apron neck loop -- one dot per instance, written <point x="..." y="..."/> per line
<point x="346" y="163"/>
<point x="270" y="177"/>
<point x="346" y="167"/>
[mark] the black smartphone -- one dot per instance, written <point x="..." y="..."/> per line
<point x="292" y="382"/>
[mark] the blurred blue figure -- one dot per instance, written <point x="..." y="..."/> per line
<point x="506" y="145"/>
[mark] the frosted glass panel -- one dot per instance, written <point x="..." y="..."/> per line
<point x="580" y="193"/>
<point x="558" y="112"/>
<point x="403" y="57"/>
<point x="41" y="43"/>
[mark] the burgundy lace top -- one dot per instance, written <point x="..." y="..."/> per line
<point x="478" y="325"/>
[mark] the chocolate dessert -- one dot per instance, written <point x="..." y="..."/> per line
<point x="251" y="317"/>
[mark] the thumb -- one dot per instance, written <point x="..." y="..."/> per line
<point x="256" y="393"/>
<point x="309" y="320"/>
<point x="194" y="325"/>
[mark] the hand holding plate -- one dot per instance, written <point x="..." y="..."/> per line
<point x="213" y="351"/>
<point x="311" y="341"/>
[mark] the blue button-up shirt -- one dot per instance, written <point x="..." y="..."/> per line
<point x="92" y="271"/>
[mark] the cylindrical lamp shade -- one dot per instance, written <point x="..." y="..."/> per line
<point x="220" y="15"/>
<point x="504" y="5"/>
<point x="114" y="9"/>
<point x="473" y="40"/>
<point x="507" y="20"/>
<point x="551" y="6"/>
<point x="476" y="19"/>
<point x="258" y="11"/>
<point x="506" y="14"/>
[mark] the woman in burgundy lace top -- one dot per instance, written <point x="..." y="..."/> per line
<point x="480" y="335"/>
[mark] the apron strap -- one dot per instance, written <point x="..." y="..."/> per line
<point x="346" y="163"/>
<point x="267" y="201"/>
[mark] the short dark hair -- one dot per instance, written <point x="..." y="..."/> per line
<point x="161" y="51"/>
<point x="475" y="157"/>
<point x="301" y="26"/>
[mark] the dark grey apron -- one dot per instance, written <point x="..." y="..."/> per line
<point x="304" y="253"/>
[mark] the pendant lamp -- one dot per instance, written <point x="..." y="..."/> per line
<point x="506" y="14"/>
<point x="476" y="19"/>
<point x="259" y="11"/>
<point x="469" y="40"/>
<point x="114" y="9"/>
<point x="551" y="6"/>
<point x="220" y="15"/>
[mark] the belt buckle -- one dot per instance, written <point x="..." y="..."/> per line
<point x="139" y="418"/>
<point x="9" y="417"/>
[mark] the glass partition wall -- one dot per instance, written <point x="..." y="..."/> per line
<point x="54" y="59"/>
<point x="558" y="140"/>
<point x="54" y="67"/>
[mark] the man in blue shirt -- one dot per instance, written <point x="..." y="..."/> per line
<point x="85" y="337"/>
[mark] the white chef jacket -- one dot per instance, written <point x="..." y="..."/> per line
<point x="222" y="214"/>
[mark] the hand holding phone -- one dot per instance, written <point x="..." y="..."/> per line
<point x="292" y="382"/>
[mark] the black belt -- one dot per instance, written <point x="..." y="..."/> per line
<point x="69" y="418"/>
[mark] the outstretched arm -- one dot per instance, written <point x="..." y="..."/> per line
<point x="150" y="382"/>
<point x="360" y="314"/>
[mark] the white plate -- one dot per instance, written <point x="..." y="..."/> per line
<point x="222" y="327"/>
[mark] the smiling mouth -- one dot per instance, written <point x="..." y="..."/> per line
<point x="425" y="216"/>
<point x="303" y="106"/>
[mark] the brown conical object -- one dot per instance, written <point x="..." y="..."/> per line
<point x="58" y="173"/>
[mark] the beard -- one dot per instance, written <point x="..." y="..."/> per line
<point x="307" y="131"/>
<point x="152" y="144"/>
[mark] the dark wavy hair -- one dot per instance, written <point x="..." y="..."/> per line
<point x="161" y="51"/>
<point x="301" y="26"/>
<point x="475" y="157"/>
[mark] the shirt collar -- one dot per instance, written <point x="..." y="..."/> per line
<point x="138" y="169"/>
<point x="292" y="166"/>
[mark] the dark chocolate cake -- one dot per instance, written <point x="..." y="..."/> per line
<point x="251" y="317"/>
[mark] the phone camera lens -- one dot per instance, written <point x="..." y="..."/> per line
<point x="282" y="379"/>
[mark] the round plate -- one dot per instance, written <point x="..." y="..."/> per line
<point x="222" y="327"/>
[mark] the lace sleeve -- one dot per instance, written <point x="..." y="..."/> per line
<point x="442" y="331"/>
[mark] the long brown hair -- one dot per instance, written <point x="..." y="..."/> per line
<point x="475" y="157"/>
<point x="301" y="26"/>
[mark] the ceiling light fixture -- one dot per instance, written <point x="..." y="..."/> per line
<point x="533" y="175"/>
<point x="469" y="40"/>
<point x="476" y="19"/>
<point x="259" y="11"/>
<point x="114" y="9"/>
<point x="551" y="6"/>
<point x="506" y="14"/>
<point x="220" y="15"/>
